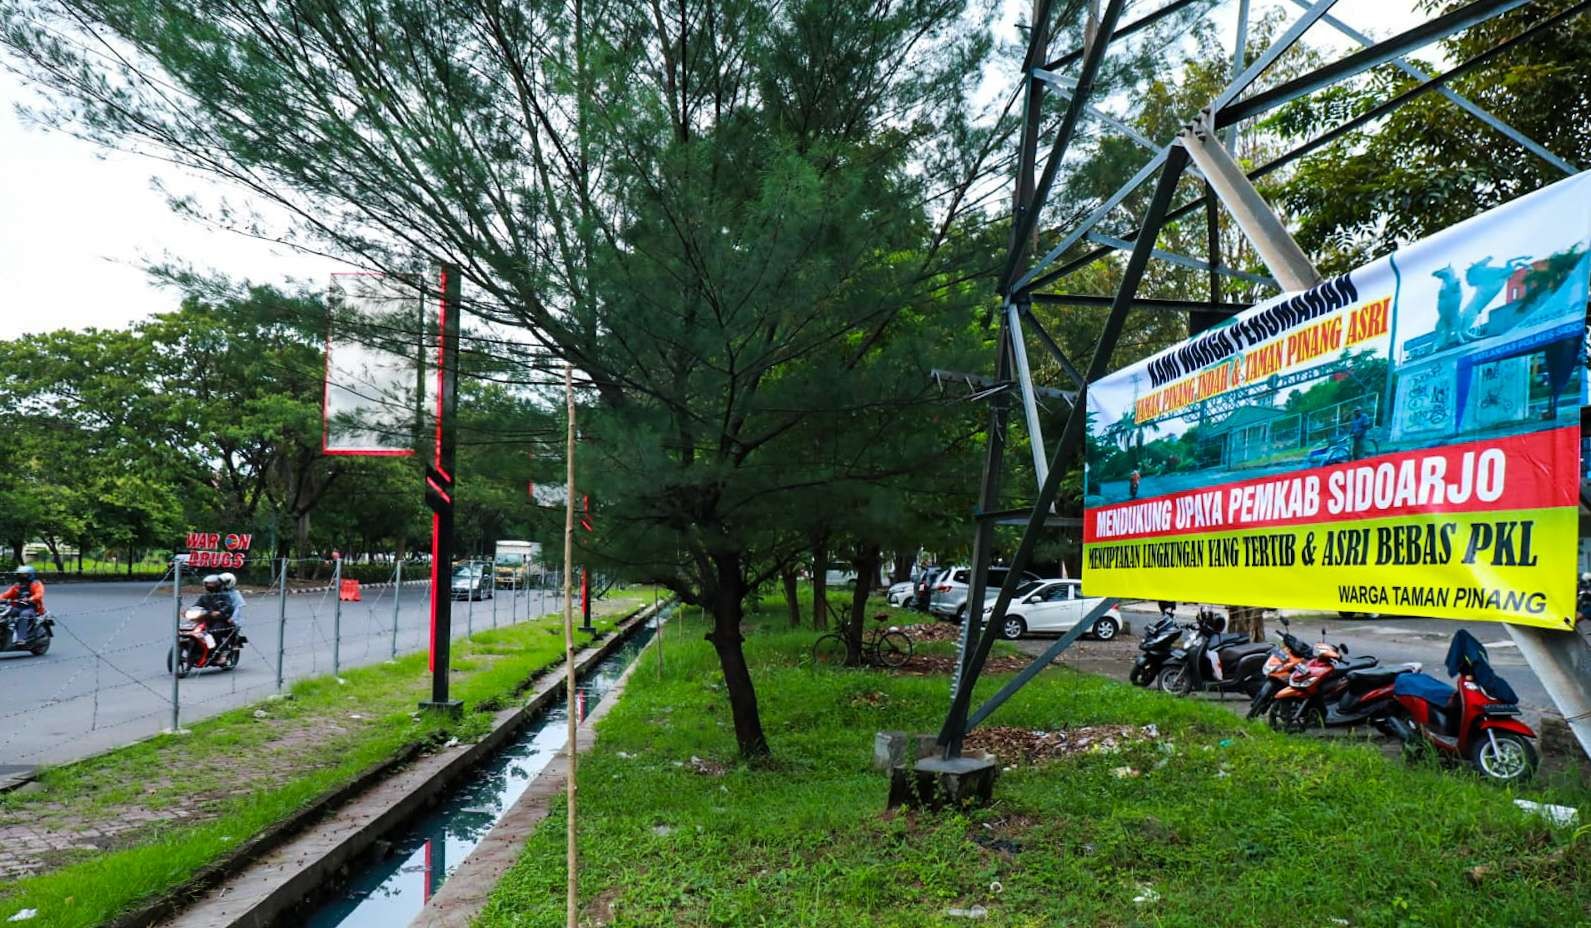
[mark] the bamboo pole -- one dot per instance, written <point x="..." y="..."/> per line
<point x="569" y="632"/>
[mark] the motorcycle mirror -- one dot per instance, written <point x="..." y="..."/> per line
<point x="1285" y="623"/>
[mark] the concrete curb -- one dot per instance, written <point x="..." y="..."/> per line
<point x="467" y="890"/>
<point x="281" y="868"/>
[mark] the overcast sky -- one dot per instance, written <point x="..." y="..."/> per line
<point x="78" y="224"/>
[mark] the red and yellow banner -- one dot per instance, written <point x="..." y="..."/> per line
<point x="1401" y="439"/>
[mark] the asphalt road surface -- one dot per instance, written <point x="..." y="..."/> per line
<point x="104" y="681"/>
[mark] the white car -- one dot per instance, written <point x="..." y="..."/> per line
<point x="901" y="593"/>
<point x="1053" y="607"/>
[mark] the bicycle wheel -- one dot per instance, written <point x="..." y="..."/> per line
<point x="894" y="648"/>
<point x="829" y="651"/>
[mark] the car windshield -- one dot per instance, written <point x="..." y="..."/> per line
<point x="466" y="572"/>
<point x="993" y="589"/>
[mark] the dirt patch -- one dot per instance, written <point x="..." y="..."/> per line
<point x="599" y="911"/>
<point x="933" y="631"/>
<point x="923" y="665"/>
<point x="1028" y="746"/>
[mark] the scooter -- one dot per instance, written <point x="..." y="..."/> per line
<point x="197" y="647"/>
<point x="1189" y="669"/>
<point x="39" y="636"/>
<point x="1155" y="648"/>
<point x="1333" y="690"/>
<point x="1279" y="665"/>
<point x="1477" y="721"/>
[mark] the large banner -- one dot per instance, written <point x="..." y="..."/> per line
<point x="1402" y="439"/>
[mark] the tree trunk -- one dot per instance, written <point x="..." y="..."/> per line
<point x="16" y="552"/>
<point x="904" y="562"/>
<point x="727" y="606"/>
<point x="791" y="599"/>
<point x="820" y="583"/>
<point x="866" y="563"/>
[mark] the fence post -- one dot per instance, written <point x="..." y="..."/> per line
<point x="176" y="639"/>
<point x="471" y="591"/>
<point x="281" y="624"/>
<point x="397" y="600"/>
<point x="337" y="617"/>
<point x="494" y="595"/>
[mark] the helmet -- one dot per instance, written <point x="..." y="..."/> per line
<point x="1586" y="577"/>
<point x="26" y="574"/>
<point x="212" y="583"/>
<point x="228" y="581"/>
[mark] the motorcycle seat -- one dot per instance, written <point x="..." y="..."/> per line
<point x="1372" y="677"/>
<point x="1227" y="640"/>
<point x="1361" y="664"/>
<point x="1424" y="686"/>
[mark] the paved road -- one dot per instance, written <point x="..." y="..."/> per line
<point x="104" y="682"/>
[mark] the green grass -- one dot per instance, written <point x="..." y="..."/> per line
<point x="243" y="774"/>
<point x="1227" y="823"/>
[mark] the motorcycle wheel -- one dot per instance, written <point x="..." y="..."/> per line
<point x="1285" y="715"/>
<point x="1511" y="759"/>
<point x="184" y="661"/>
<point x="1140" y="676"/>
<point x="1174" y="679"/>
<point x="42" y="648"/>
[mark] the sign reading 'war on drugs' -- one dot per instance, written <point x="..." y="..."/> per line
<point x="1404" y="438"/>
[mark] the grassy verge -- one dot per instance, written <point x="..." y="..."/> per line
<point x="1211" y="822"/>
<point x="200" y="795"/>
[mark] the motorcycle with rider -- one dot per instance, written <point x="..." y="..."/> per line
<point x="24" y="623"/>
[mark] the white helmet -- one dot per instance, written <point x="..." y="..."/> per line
<point x="212" y="583"/>
<point x="228" y="581"/>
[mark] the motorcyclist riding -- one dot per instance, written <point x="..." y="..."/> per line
<point x="28" y="590"/>
<point x="229" y="583"/>
<point x="217" y="605"/>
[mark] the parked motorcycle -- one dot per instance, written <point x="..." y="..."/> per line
<point x="1188" y="669"/>
<point x="1477" y="721"/>
<point x="1290" y="652"/>
<point x="1155" y="649"/>
<point x="198" y="647"/>
<point x="38" y="639"/>
<point x="1333" y="690"/>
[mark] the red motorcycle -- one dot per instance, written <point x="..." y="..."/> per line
<point x="1279" y="666"/>
<point x="1477" y="721"/>
<point x="198" y="646"/>
<point x="1332" y="690"/>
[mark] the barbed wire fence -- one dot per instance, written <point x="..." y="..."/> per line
<point x="107" y="678"/>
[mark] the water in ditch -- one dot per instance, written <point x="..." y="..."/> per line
<point x="391" y="890"/>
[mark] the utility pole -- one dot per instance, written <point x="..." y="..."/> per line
<point x="439" y="488"/>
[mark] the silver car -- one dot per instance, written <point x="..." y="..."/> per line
<point x="949" y="599"/>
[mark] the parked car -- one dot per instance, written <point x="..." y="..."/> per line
<point x="900" y="594"/>
<point x="949" y="599"/>
<point x="839" y="574"/>
<point x="1052" y="608"/>
<point x="472" y="581"/>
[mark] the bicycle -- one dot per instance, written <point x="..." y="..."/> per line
<point x="882" y="647"/>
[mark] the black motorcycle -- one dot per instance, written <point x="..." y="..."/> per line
<point x="38" y="639"/>
<point x="1155" y="649"/>
<point x="1188" y="669"/>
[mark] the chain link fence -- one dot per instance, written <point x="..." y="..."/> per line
<point x="108" y="679"/>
